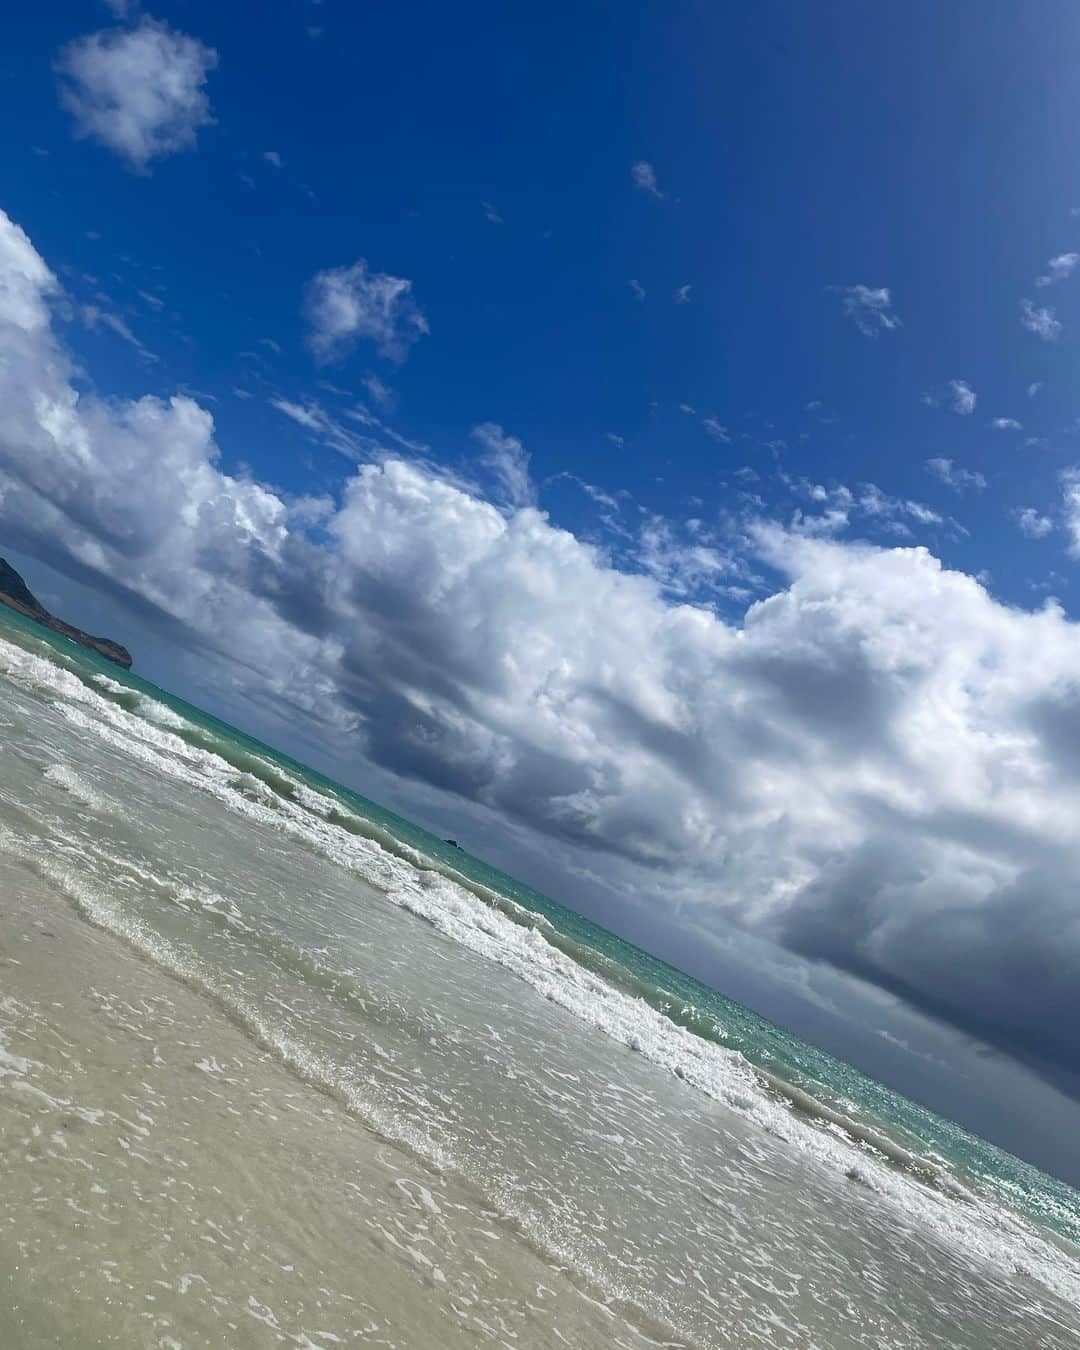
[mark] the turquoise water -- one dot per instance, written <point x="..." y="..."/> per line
<point x="816" y="1084"/>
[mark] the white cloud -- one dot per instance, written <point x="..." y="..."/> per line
<point x="876" y="503"/>
<point x="1040" y="321"/>
<point x="509" y="461"/>
<point x="682" y="294"/>
<point x="956" y="478"/>
<point x="835" y="507"/>
<point x="870" y="308"/>
<point x="344" y="305"/>
<point x="615" y="439"/>
<point x="644" y="176"/>
<point x="272" y="157"/>
<point x="93" y="315"/>
<point x="716" y="429"/>
<point x="1034" y="388"/>
<point x="868" y="766"/>
<point x="682" y="569"/>
<point x="329" y="431"/>
<point x="1059" y="269"/>
<point x="637" y="288"/>
<point x="925" y="515"/>
<point x="491" y="214"/>
<point x="1070" y="492"/>
<point x="380" y="393"/>
<point x="1006" y="424"/>
<point x="139" y="91"/>
<point x="1031" y="523"/>
<point x="308" y="415"/>
<point x="962" y="398"/>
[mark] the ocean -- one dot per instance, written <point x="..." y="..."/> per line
<point x="278" y="1067"/>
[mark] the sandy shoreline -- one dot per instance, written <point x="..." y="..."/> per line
<point x="186" y="1189"/>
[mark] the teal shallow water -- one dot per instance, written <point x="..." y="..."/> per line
<point x="839" y="1090"/>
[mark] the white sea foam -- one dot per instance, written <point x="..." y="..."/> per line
<point x="114" y="686"/>
<point x="70" y="879"/>
<point x="11" y="1065"/>
<point x="159" y="712"/>
<point x="975" y="1227"/>
<point x="61" y="776"/>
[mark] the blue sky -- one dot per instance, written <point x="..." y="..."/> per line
<point x="798" y="152"/>
<point x="641" y="444"/>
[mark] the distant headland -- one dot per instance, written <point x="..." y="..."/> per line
<point x="15" y="593"/>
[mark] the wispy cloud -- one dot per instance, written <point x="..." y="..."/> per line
<point x="683" y="567"/>
<point x="1031" y="523"/>
<point x="956" y="478"/>
<point x="1058" y="269"/>
<point x="958" y="396"/>
<point x="594" y="493"/>
<point x="644" y="176"/>
<point x="870" y="308"/>
<point x="874" y="502"/>
<point x="682" y="294"/>
<point x="491" y="214"/>
<point x="344" y="305"/>
<point x="715" y="429"/>
<point x="509" y="461"/>
<point x="93" y="316"/>
<point x="308" y="415"/>
<point x="313" y="417"/>
<point x="1040" y="320"/>
<point x="637" y="288"/>
<point x="962" y="398"/>
<point x="380" y="394"/>
<point x="272" y="157"/>
<point x="834" y="506"/>
<point x="1070" y="492"/>
<point x="1006" y="424"/>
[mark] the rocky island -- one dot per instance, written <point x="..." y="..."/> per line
<point x="15" y="593"/>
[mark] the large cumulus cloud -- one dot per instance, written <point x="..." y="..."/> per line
<point x="879" y="766"/>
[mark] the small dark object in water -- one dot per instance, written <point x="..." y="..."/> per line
<point x="452" y="842"/>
